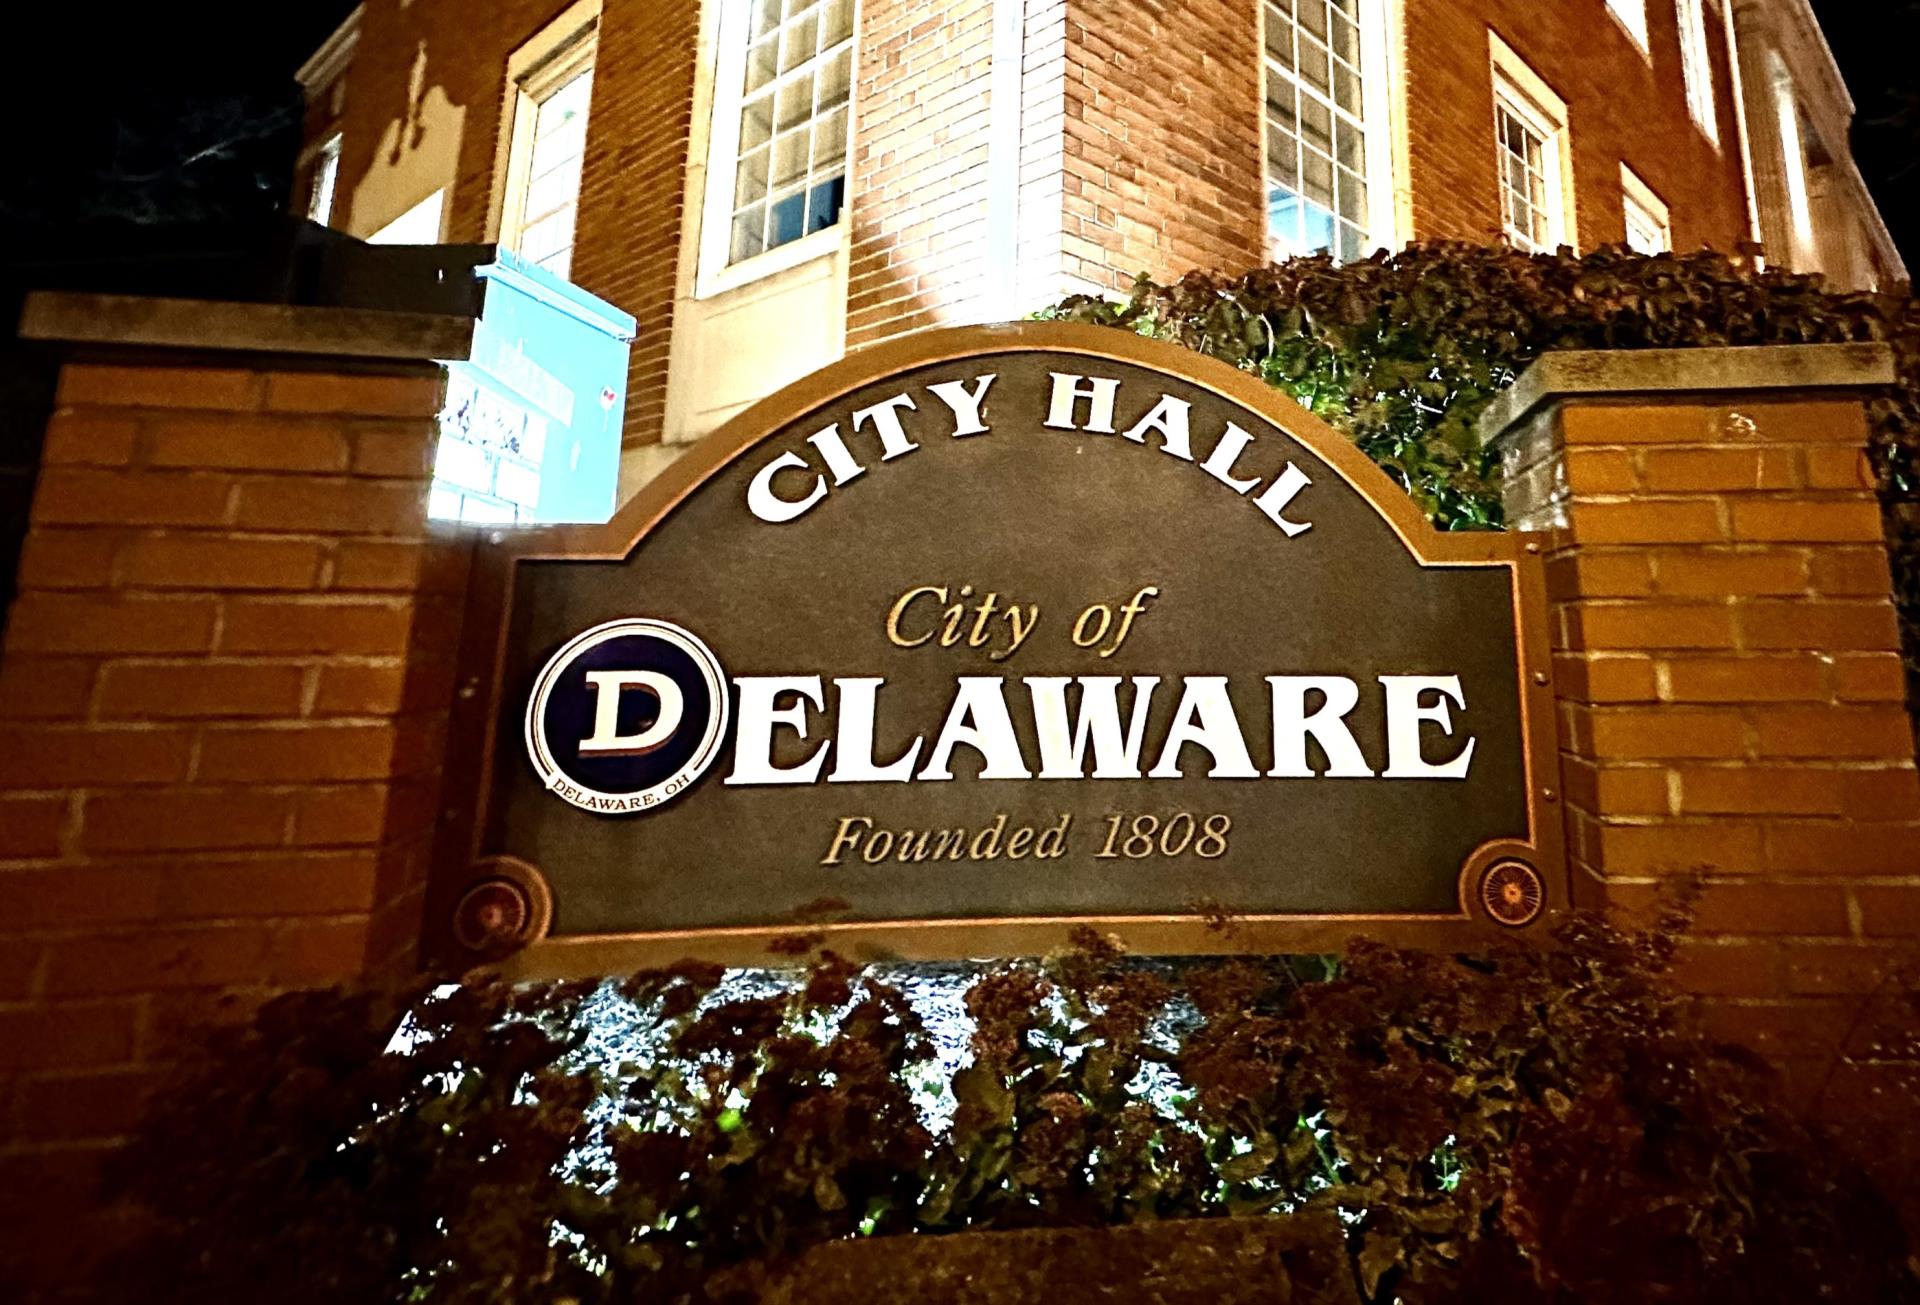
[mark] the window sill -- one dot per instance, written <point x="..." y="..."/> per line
<point x="785" y="257"/>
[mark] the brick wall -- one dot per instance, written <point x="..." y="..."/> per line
<point x="1622" y="106"/>
<point x="222" y="704"/>
<point x="1163" y="132"/>
<point x="631" y="192"/>
<point x="1732" y="694"/>
<point x="918" y="177"/>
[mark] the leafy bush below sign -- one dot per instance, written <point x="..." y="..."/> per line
<point x="1535" y="1126"/>
<point x="1403" y="352"/>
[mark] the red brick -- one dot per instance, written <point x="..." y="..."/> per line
<point x="157" y="387"/>
<point x="1808" y="521"/>
<point x="365" y="396"/>
<point x="67" y="1035"/>
<point x="1744" y="679"/>
<point x="1823" y="627"/>
<point x="1605" y="679"/>
<point x="1873" y="678"/>
<point x="355" y="629"/>
<point x="1698" y="574"/>
<point x="286" y="884"/>
<point x="1838" y="468"/>
<point x="1626" y="627"/>
<point x="89" y="438"/>
<point x="1820" y="421"/>
<point x="1667" y="848"/>
<point x="249" y="443"/>
<point x="1765" y="908"/>
<point x="1601" y="471"/>
<point x="298" y="754"/>
<point x="1762" y="790"/>
<point x="1858" y="732"/>
<point x="71" y="623"/>
<point x="348" y="689"/>
<point x="30" y="826"/>
<point x="202" y="690"/>
<point x="377" y="564"/>
<point x="68" y="559"/>
<point x="1605" y="422"/>
<point x="1597" y="574"/>
<point x="1851" y="572"/>
<point x="153" y="959"/>
<point x="1889" y="912"/>
<point x="347" y="816"/>
<point x="318" y="953"/>
<point x="1720" y="469"/>
<point x="88" y="496"/>
<point x="1844" y="848"/>
<point x="218" y="562"/>
<point x="333" y="506"/>
<point x="58" y="756"/>
<point x="403" y="450"/>
<point x="45" y="688"/>
<point x="1633" y="734"/>
<point x="168" y="821"/>
<point x="1649" y="521"/>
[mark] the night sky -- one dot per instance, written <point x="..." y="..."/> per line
<point x="113" y="73"/>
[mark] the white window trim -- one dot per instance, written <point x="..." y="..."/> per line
<point x="323" y="156"/>
<point x="1640" y="195"/>
<point x="715" y="275"/>
<point x="1631" y="15"/>
<point x="574" y="38"/>
<point x="1526" y="94"/>
<point x="1378" y="80"/>
<point x="1696" y="62"/>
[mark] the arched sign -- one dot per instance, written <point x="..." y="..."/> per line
<point x="989" y="632"/>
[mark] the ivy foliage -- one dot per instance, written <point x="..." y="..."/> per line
<point x="1403" y="352"/>
<point x="1540" y="1126"/>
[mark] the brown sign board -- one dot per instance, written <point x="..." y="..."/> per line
<point x="988" y="632"/>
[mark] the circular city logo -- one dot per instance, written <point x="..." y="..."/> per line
<point x="627" y="715"/>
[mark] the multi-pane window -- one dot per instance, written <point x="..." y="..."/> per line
<point x="1633" y="16"/>
<point x="791" y="156"/>
<point x="1648" y="227"/>
<point x="1696" y="66"/>
<point x="549" y="199"/>
<point x="1527" y="184"/>
<point x="1319" y="185"/>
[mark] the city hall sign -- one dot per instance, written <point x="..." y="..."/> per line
<point x="986" y="633"/>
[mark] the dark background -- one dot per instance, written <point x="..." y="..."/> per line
<point x="124" y="116"/>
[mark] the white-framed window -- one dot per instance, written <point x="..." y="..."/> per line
<point x="326" y="178"/>
<point x="782" y="117"/>
<point x="1530" y="145"/>
<point x="1649" y="226"/>
<point x="1327" y="152"/>
<point x="1632" y="15"/>
<point x="1696" y="66"/>
<point x="550" y="89"/>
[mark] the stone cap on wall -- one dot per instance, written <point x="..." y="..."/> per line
<point x="223" y="327"/>
<point x="1576" y="373"/>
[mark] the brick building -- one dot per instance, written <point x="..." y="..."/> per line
<point x="767" y="183"/>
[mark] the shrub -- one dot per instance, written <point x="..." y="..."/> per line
<point x="1540" y="1124"/>
<point x="1404" y="351"/>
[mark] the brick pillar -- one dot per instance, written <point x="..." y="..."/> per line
<point x="1728" y="664"/>
<point x="222" y="700"/>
